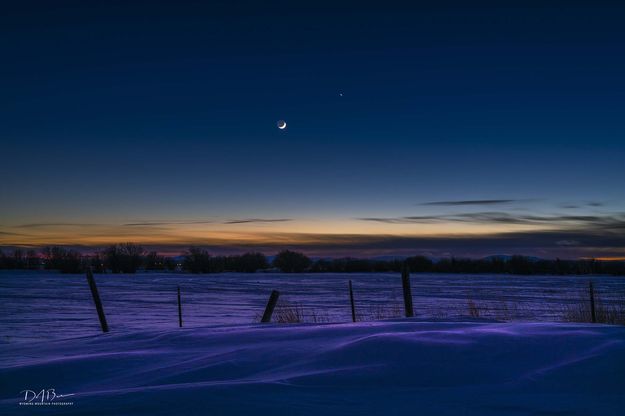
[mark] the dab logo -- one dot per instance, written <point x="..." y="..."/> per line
<point x="44" y="397"/>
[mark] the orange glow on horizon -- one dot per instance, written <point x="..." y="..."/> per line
<point x="608" y="258"/>
<point x="303" y="231"/>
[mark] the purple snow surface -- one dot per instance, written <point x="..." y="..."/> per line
<point x="400" y="367"/>
<point x="220" y="363"/>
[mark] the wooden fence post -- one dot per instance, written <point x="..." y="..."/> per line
<point x="96" y="300"/>
<point x="179" y="309"/>
<point x="593" y="316"/>
<point x="405" y="280"/>
<point x="351" y="300"/>
<point x="273" y="299"/>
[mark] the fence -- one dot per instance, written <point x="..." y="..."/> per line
<point x="589" y="310"/>
<point x="37" y="305"/>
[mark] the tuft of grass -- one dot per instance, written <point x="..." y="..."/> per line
<point x="293" y="313"/>
<point x="474" y="310"/>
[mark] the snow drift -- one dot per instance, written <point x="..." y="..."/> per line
<point x="391" y="367"/>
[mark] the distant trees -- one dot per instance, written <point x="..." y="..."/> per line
<point x="32" y="260"/>
<point x="129" y="257"/>
<point x="500" y="265"/>
<point x="519" y="265"/>
<point x="96" y="262"/>
<point x="291" y="262"/>
<point x="197" y="260"/>
<point x="5" y="261"/>
<point x="62" y="259"/>
<point x="123" y="258"/>
<point x="249" y="262"/>
<point x="353" y="265"/>
<point x="154" y="261"/>
<point x="20" y="259"/>
<point x="418" y="264"/>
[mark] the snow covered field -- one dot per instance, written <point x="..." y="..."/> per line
<point x="390" y="367"/>
<point x="41" y="305"/>
<point x="440" y="363"/>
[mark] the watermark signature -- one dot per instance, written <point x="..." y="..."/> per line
<point x="44" y="397"/>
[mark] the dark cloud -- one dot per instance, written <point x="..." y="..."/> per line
<point x="9" y="233"/>
<point x="405" y="220"/>
<point x="587" y="204"/>
<point x="160" y="223"/>
<point x="55" y="224"/>
<point x="567" y="243"/>
<point x="471" y="202"/>
<point x="568" y="235"/>
<point x="252" y="220"/>
<point x="566" y="221"/>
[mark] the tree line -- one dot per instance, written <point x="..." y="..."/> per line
<point x="521" y="265"/>
<point x="129" y="258"/>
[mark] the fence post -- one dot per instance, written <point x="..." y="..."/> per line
<point x="96" y="300"/>
<point x="593" y="317"/>
<point x="271" y="304"/>
<point x="405" y="280"/>
<point x="351" y="300"/>
<point x="179" y="309"/>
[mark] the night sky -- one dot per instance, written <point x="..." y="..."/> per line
<point x="444" y="129"/>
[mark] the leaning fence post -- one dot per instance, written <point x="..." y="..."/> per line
<point x="179" y="309"/>
<point x="271" y="304"/>
<point x="351" y="300"/>
<point x="593" y="317"/>
<point x="96" y="300"/>
<point x="405" y="280"/>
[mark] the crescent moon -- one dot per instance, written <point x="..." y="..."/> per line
<point x="282" y="124"/>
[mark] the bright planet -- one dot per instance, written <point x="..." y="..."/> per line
<point x="281" y="124"/>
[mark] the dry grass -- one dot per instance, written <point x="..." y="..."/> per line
<point x="293" y="313"/>
<point x="381" y="312"/>
<point x="474" y="310"/>
<point x="508" y="311"/>
<point x="317" y="318"/>
<point x="494" y="309"/>
<point x="613" y="313"/>
<point x="288" y="313"/>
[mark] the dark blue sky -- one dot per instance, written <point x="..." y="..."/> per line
<point x="118" y="112"/>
